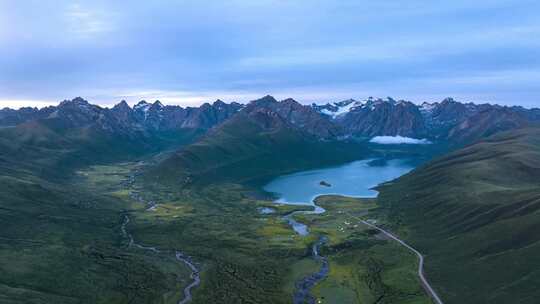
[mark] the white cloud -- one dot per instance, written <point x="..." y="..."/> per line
<point x="328" y="51"/>
<point x="396" y="140"/>
<point x="399" y="49"/>
<point x="85" y="23"/>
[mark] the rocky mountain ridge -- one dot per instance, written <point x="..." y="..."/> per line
<point x="143" y="116"/>
<point x="445" y="120"/>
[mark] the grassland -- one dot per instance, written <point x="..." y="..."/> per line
<point x="61" y="237"/>
<point x="474" y="214"/>
<point x="365" y="267"/>
<point x="235" y="247"/>
<point x="246" y="256"/>
<point x="62" y="244"/>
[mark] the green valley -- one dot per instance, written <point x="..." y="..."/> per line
<point x="269" y="152"/>
<point x="91" y="215"/>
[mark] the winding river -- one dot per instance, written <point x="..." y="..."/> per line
<point x="303" y="287"/>
<point x="354" y="179"/>
<point x="180" y="256"/>
<point x="196" y="280"/>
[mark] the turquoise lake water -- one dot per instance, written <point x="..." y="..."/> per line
<point x="353" y="179"/>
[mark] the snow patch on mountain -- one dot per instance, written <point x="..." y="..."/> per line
<point x="339" y="108"/>
<point x="427" y="107"/>
<point x="396" y="140"/>
<point x="142" y="106"/>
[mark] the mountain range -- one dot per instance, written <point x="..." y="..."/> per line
<point x="447" y="120"/>
<point x="141" y="117"/>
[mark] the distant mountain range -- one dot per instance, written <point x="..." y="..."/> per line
<point x="447" y="120"/>
<point x="141" y="117"/>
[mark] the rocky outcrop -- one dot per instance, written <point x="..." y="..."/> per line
<point x="10" y="117"/>
<point x="383" y="117"/>
<point x="487" y="122"/>
<point x="302" y="117"/>
<point x="208" y="115"/>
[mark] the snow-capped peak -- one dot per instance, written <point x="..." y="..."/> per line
<point x="157" y="104"/>
<point x="339" y="108"/>
<point x="142" y="106"/>
<point x="427" y="107"/>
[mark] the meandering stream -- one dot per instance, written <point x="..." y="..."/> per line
<point x="303" y="287"/>
<point x="180" y="256"/>
<point x="355" y="179"/>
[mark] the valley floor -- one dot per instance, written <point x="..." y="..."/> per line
<point x="248" y="257"/>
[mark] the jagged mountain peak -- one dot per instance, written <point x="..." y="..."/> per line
<point x="157" y="104"/>
<point x="346" y="102"/>
<point x="77" y="101"/>
<point x="264" y="100"/>
<point x="221" y="105"/>
<point x="142" y="107"/>
<point x="446" y="119"/>
<point x="427" y="107"/>
<point x="337" y="109"/>
<point x="267" y="119"/>
<point x="387" y="100"/>
<point x="379" y="116"/>
<point x="122" y="105"/>
<point x="289" y="101"/>
<point x="449" y="100"/>
<point x="141" y="103"/>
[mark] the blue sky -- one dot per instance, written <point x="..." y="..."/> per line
<point x="187" y="52"/>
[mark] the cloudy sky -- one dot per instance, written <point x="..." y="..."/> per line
<point x="186" y="52"/>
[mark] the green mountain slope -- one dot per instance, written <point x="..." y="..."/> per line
<point x="60" y="241"/>
<point x="475" y="214"/>
<point x="249" y="147"/>
<point x="45" y="147"/>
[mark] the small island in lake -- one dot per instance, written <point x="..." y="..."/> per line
<point x="326" y="184"/>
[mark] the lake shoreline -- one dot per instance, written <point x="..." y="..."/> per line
<point x="357" y="180"/>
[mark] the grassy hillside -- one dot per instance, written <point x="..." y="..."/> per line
<point x="251" y="147"/>
<point x="40" y="147"/>
<point x="60" y="241"/>
<point x="475" y="214"/>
